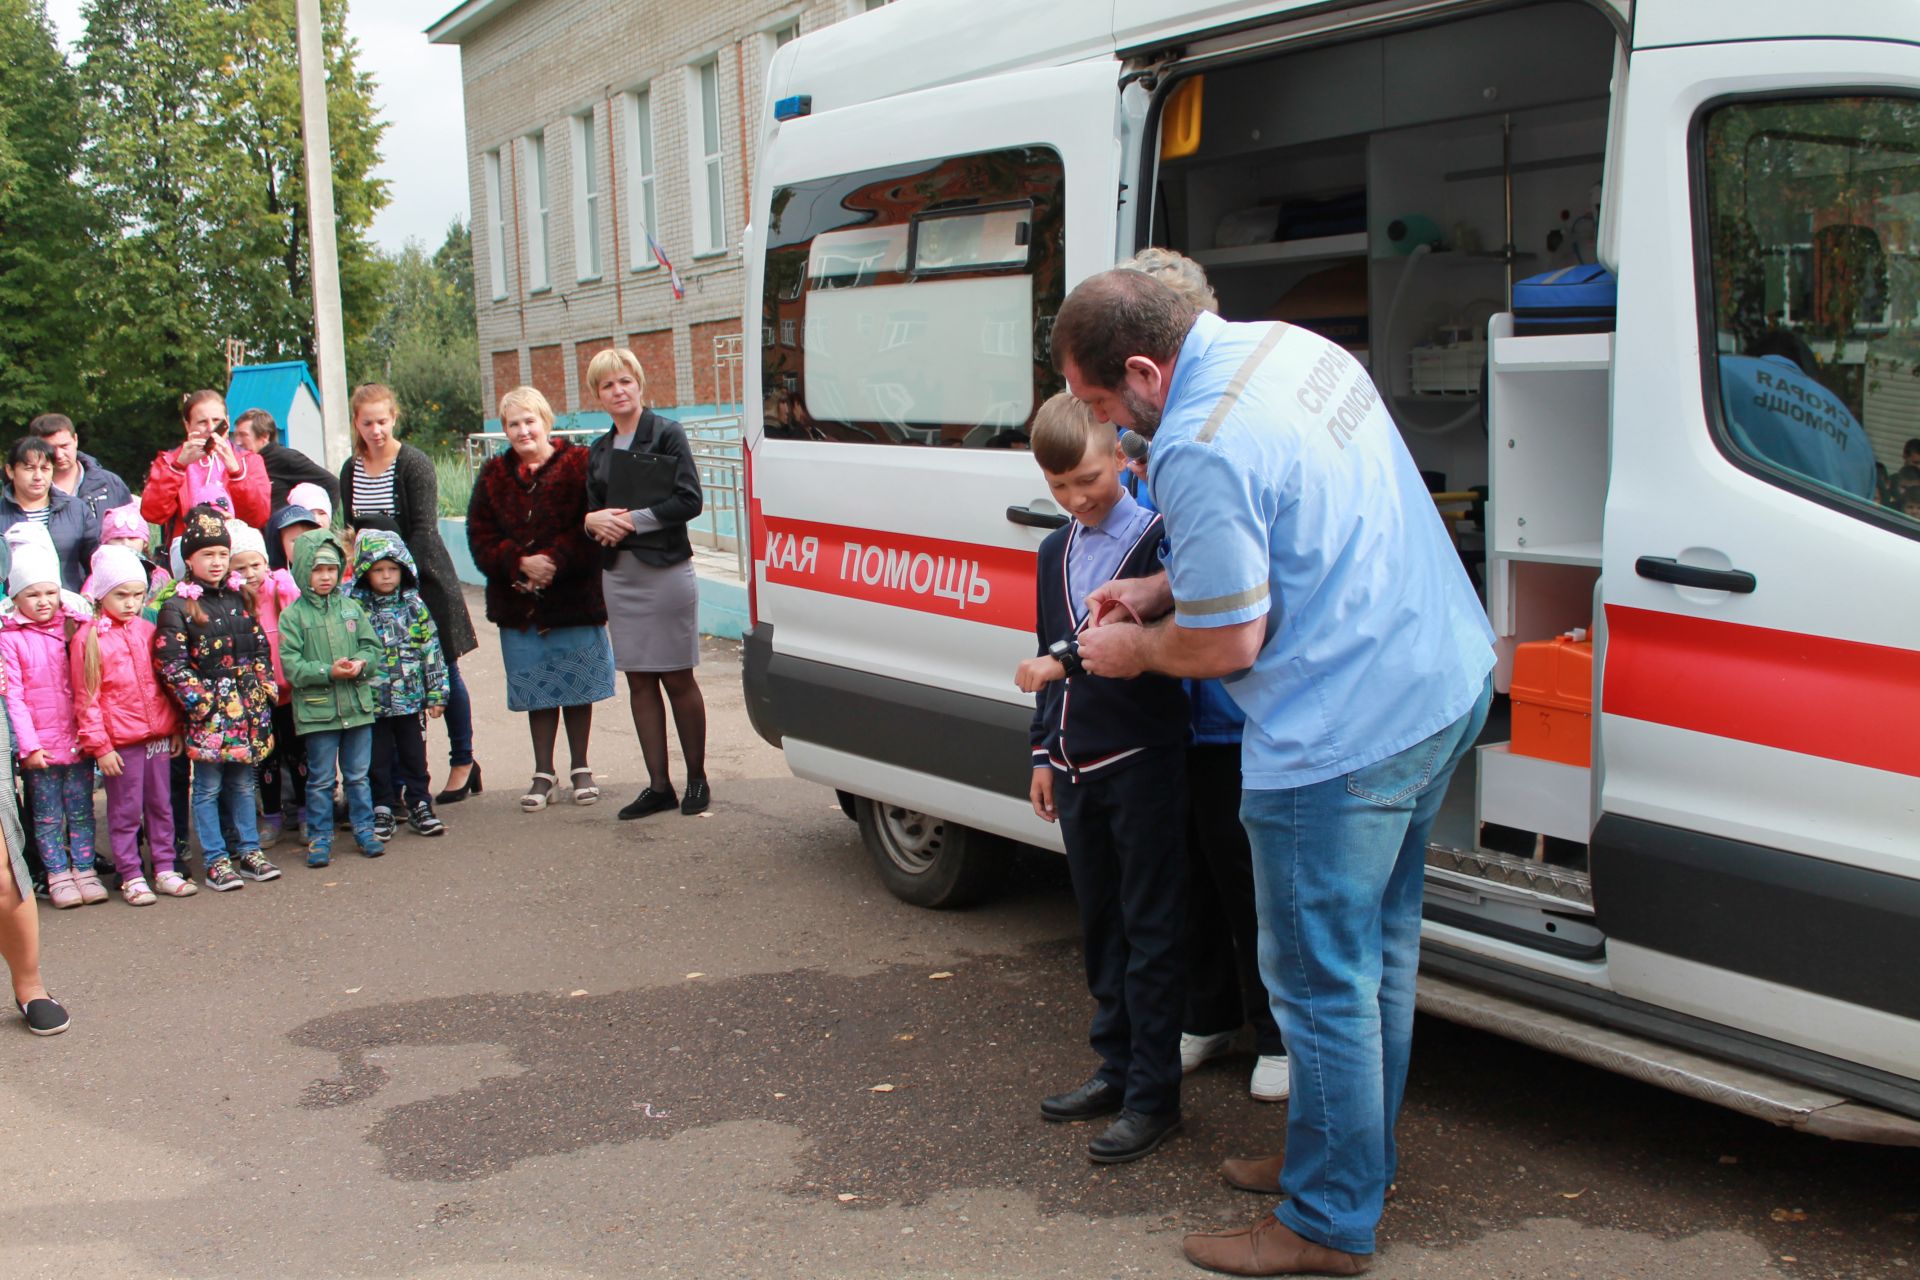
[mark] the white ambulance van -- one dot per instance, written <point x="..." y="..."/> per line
<point x="1718" y="888"/>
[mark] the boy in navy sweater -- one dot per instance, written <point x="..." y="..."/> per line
<point x="1109" y="765"/>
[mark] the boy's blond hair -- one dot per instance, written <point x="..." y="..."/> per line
<point x="1062" y="430"/>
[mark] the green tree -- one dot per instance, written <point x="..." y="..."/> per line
<point x="46" y="222"/>
<point x="425" y="345"/>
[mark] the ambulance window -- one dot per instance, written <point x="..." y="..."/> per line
<point x="911" y="304"/>
<point x="1811" y="233"/>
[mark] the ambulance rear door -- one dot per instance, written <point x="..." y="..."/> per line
<point x="1755" y="863"/>
<point x="914" y="251"/>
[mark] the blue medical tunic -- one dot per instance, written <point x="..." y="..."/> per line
<point x="1289" y="496"/>
<point x="1776" y="412"/>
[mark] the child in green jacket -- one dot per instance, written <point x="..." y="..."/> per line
<point x="329" y="651"/>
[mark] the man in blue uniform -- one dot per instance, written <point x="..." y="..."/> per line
<point x="1310" y="567"/>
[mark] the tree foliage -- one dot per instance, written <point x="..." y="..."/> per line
<point x="425" y="345"/>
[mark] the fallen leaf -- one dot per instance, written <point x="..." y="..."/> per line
<point x="353" y="991"/>
<point x="881" y="1088"/>
<point x="905" y="1037"/>
<point x="571" y="994"/>
<point x="331" y="884"/>
<point x="1573" y="1195"/>
<point x="937" y="976"/>
<point x="1788" y="1215"/>
<point x="1787" y="1257"/>
<point x="845" y="1196"/>
<point x="696" y="974"/>
<point x="779" y="1095"/>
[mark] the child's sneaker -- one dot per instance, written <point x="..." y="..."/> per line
<point x="423" y="820"/>
<point x="136" y="892"/>
<point x="175" y="885"/>
<point x="371" y="845"/>
<point x="221" y="877"/>
<point x="62" y="891"/>
<point x="319" y="855"/>
<point x="88" y="882"/>
<point x="383" y="823"/>
<point x="253" y="865"/>
<point x="270" y="829"/>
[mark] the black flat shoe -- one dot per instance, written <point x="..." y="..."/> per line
<point x="1094" y="1098"/>
<point x="45" y="1016"/>
<point x="650" y="802"/>
<point x="1133" y="1135"/>
<point x="471" y="787"/>
<point x="699" y="795"/>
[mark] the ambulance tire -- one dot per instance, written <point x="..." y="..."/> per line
<point x="847" y="803"/>
<point x="925" y="860"/>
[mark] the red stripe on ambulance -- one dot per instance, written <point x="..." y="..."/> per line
<point x="992" y="585"/>
<point x="1837" y="699"/>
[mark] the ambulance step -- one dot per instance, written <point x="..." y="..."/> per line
<point x="1742" y="1089"/>
<point x="1563" y="884"/>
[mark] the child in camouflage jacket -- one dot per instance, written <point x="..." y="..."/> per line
<point x="410" y="679"/>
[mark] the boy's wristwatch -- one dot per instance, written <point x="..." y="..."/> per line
<point x="1067" y="654"/>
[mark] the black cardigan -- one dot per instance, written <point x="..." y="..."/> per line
<point x="1090" y="724"/>
<point x="667" y="545"/>
<point x="416" y="499"/>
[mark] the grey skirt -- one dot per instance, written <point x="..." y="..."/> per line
<point x="653" y="614"/>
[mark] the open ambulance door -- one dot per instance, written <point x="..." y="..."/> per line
<point x="913" y="252"/>
<point x="1755" y="864"/>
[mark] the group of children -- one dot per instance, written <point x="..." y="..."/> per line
<point x="230" y="668"/>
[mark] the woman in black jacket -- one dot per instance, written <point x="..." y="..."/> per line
<point x="653" y="599"/>
<point x="389" y="485"/>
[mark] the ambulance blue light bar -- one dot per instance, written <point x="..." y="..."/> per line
<point x="800" y="104"/>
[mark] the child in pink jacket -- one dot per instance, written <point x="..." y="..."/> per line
<point x="39" y="699"/>
<point x="274" y="590"/>
<point x="128" y="723"/>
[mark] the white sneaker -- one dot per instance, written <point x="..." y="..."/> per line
<point x="1195" y="1050"/>
<point x="1272" y="1078"/>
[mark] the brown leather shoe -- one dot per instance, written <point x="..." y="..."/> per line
<point x="1269" y="1248"/>
<point x="1261" y="1175"/>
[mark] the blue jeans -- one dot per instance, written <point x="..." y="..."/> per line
<point x="1339" y="869"/>
<point x="353" y="750"/>
<point x="224" y="788"/>
<point x="459" y="718"/>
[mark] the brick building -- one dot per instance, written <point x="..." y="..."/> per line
<point x="597" y="130"/>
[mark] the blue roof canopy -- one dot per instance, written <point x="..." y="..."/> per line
<point x="272" y="387"/>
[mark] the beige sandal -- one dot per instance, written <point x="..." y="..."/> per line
<point x="587" y="794"/>
<point x="535" y="801"/>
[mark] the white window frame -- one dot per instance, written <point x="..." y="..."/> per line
<point x="535" y="193"/>
<point x="706" y="171"/>
<point x="586" y="197"/>
<point x="636" y="116"/>
<point x="496" y="227"/>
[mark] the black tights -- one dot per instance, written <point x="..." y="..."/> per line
<point x="546" y="727"/>
<point x="650" y="722"/>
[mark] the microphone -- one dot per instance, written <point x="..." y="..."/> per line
<point x="1134" y="445"/>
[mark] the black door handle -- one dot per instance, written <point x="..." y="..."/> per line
<point x="1035" y="519"/>
<point x="1667" y="569"/>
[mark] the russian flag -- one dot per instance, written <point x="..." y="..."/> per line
<point x="660" y="256"/>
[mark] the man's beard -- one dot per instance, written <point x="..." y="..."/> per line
<point x="1145" y="414"/>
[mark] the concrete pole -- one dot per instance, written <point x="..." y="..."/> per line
<point x="329" y="335"/>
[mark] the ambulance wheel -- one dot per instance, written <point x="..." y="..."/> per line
<point x="925" y="860"/>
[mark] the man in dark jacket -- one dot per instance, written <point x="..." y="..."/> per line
<point x="76" y="474"/>
<point x="259" y="434"/>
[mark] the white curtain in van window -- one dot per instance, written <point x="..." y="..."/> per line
<point x="927" y="354"/>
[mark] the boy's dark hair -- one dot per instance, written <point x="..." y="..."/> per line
<point x="1112" y="317"/>
<point x="51" y="424"/>
<point x="1061" y="432"/>
<point x="1912" y="446"/>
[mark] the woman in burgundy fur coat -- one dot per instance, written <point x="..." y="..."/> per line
<point x="525" y="528"/>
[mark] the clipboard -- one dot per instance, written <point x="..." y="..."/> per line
<point x="637" y="481"/>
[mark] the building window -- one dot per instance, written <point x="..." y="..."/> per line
<point x="586" y="199"/>
<point x="787" y="34"/>
<point x="496" y="229"/>
<point x="535" y="195"/>
<point x="703" y="145"/>
<point x="636" y="112"/>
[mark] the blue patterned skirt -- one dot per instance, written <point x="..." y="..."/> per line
<point x="564" y="667"/>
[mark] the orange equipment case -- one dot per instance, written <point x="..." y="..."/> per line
<point x="1552" y="694"/>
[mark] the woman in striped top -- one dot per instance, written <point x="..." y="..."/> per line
<point x="390" y="485"/>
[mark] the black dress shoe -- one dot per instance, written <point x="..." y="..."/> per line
<point x="1094" y="1098"/>
<point x="471" y="787"/>
<point x="698" y="797"/>
<point x="1133" y="1135"/>
<point x="649" y="802"/>
<point x="45" y="1016"/>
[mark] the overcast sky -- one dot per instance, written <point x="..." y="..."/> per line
<point x="424" y="153"/>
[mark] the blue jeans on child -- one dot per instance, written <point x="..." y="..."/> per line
<point x="1339" y="871"/>
<point x="353" y="750"/>
<point x="223" y="788"/>
<point x="61" y="796"/>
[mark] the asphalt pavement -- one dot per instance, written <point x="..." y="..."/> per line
<point x="557" y="1045"/>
